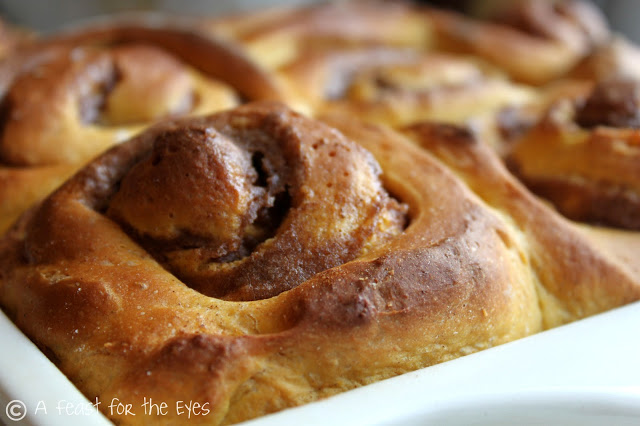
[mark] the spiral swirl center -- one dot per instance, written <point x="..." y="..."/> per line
<point x="246" y="204"/>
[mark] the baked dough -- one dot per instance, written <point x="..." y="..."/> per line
<point x="583" y="155"/>
<point x="68" y="98"/>
<point x="347" y="225"/>
<point x="361" y="290"/>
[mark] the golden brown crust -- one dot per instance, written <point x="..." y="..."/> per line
<point x="468" y="272"/>
<point x="534" y="42"/>
<point x="68" y="98"/>
<point x="452" y="69"/>
<point x="576" y="23"/>
<point x="257" y="259"/>
<point x="537" y="43"/>
<point x="260" y="183"/>
<point x="274" y="38"/>
<point x="216" y="57"/>
<point x="583" y="156"/>
<point x="20" y="187"/>
<point x="397" y="86"/>
<point x="618" y="58"/>
<point x="573" y="274"/>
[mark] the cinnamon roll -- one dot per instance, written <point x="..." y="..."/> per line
<point x="68" y="98"/>
<point x="617" y="59"/>
<point x="177" y="246"/>
<point x="276" y="37"/>
<point x="255" y="259"/>
<point x="574" y="271"/>
<point x="576" y="23"/>
<point x="583" y="155"/>
<point x="397" y="63"/>
<point x="534" y="41"/>
<point x="400" y="86"/>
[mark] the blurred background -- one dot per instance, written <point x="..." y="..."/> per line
<point x="46" y="16"/>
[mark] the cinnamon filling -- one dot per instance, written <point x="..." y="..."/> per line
<point x="614" y="103"/>
<point x="244" y="208"/>
<point x="93" y="96"/>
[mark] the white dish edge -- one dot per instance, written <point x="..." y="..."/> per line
<point x="590" y="366"/>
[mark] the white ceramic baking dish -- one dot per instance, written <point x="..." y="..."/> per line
<point x="585" y="373"/>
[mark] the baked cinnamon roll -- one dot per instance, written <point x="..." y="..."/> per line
<point x="397" y="63"/>
<point x="534" y="41"/>
<point x="256" y="259"/>
<point x="574" y="266"/>
<point x="276" y="37"/>
<point x="617" y="59"/>
<point x="583" y="156"/>
<point x="66" y="99"/>
<point x="576" y="23"/>
<point x="400" y="86"/>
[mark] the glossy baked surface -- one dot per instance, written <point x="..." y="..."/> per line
<point x="364" y="225"/>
